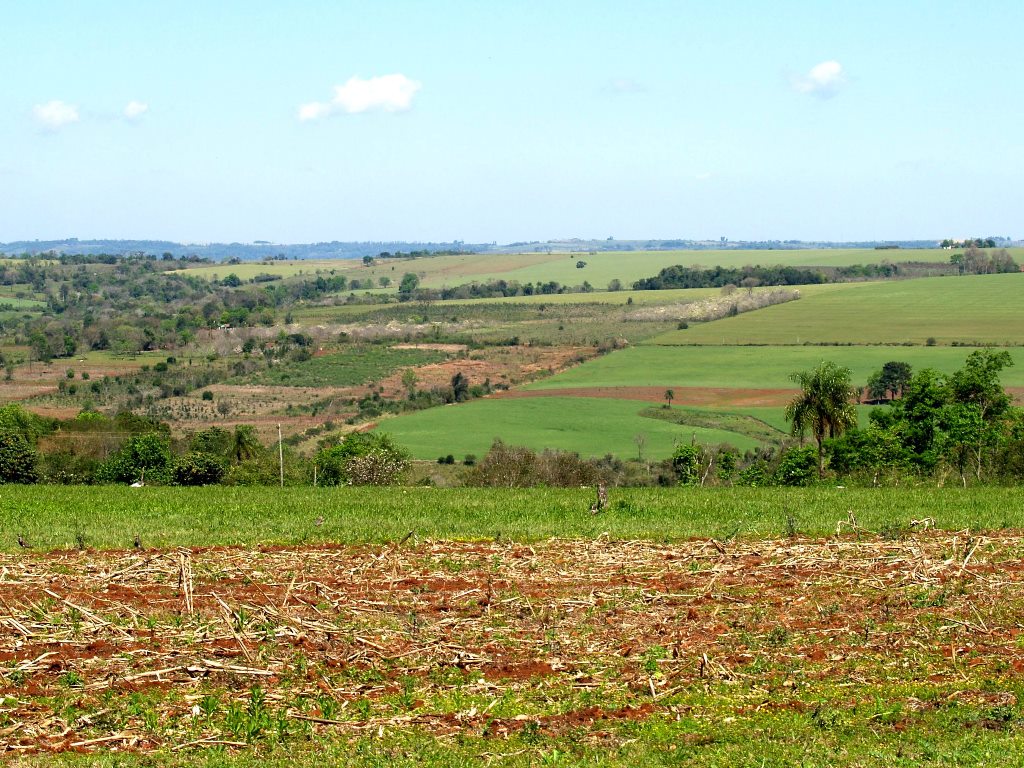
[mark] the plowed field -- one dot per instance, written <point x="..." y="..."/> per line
<point x="506" y="644"/>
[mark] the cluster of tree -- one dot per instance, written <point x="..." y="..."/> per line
<point x="963" y="423"/>
<point x="93" y="448"/>
<point x="975" y="242"/>
<point x="96" y="449"/>
<point x="717" y="277"/>
<point x="975" y="261"/>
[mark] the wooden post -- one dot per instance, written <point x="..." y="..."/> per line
<point x="280" y="453"/>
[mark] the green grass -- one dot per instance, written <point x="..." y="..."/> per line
<point x="752" y="367"/>
<point x="359" y="365"/>
<point x="972" y="309"/>
<point x="52" y="517"/>
<point x="629" y="266"/>
<point x="588" y="426"/>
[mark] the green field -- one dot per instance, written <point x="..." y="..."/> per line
<point x="52" y="517"/>
<point x="629" y="266"/>
<point x="600" y="269"/>
<point x="758" y="367"/>
<point x="353" y="367"/>
<point x="588" y="426"/>
<point x="977" y="309"/>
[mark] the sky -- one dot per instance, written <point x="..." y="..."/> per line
<point x="506" y="121"/>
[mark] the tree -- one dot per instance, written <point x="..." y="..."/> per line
<point x="686" y="460"/>
<point x="876" y="387"/>
<point x="146" y="455"/>
<point x="245" y="443"/>
<point x="669" y="397"/>
<point x="18" y="460"/>
<point x="409" y="381"/>
<point x="824" y="405"/>
<point x="460" y="387"/>
<point x="894" y="377"/>
<point x="410" y="282"/>
<point x="361" y="458"/>
<point x="198" y="468"/>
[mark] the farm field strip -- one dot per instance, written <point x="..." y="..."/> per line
<point x="588" y="426"/>
<point x="624" y="649"/>
<point x="109" y="517"/>
<point x="976" y="309"/>
<point x="742" y="367"/>
<point x="628" y="266"/>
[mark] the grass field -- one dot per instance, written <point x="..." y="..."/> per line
<point x="588" y="426"/>
<point x="601" y="268"/>
<point x="972" y="309"/>
<point x="55" y="517"/>
<point x="629" y="266"/>
<point x="752" y="367"/>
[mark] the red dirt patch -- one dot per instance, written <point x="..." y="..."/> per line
<point x="701" y="396"/>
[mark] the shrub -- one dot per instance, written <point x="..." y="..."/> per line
<point x="18" y="460"/>
<point x="338" y="465"/>
<point x="798" y="466"/>
<point x="197" y="468"/>
<point x="686" y="464"/>
<point x="208" y="395"/>
<point x="142" y="456"/>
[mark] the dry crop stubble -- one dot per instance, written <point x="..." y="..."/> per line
<point x="576" y="643"/>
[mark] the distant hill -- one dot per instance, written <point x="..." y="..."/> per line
<point x="256" y="251"/>
<point x="262" y="249"/>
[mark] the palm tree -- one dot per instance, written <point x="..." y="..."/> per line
<point x="669" y="397"/>
<point x="245" y="443"/>
<point x="824" y="405"/>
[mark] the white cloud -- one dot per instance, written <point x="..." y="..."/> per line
<point x="133" y="110"/>
<point x="387" y="93"/>
<point x="55" y="114"/>
<point x="703" y="176"/>
<point x="624" y="85"/>
<point x="824" y="80"/>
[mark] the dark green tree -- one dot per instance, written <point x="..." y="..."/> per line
<point x="460" y="387"/>
<point x="18" y="460"/>
<point x="197" y="468"/>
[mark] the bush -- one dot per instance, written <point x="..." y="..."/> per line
<point x="18" y="460"/>
<point x="798" y="467"/>
<point x="207" y="395"/>
<point x="686" y="464"/>
<point x="361" y="458"/>
<point x="145" y="457"/>
<point x="197" y="468"/>
<point x="512" y="466"/>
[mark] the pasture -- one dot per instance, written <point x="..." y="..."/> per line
<point x="760" y="367"/>
<point x="976" y="309"/>
<point x="589" y="426"/>
<point x="627" y="266"/>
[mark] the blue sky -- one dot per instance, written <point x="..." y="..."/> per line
<point x="483" y="121"/>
